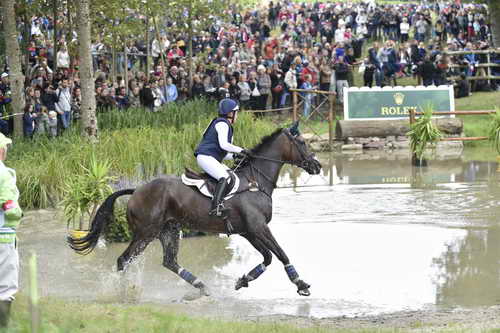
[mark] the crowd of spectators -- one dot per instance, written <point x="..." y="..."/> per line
<point x="257" y="56"/>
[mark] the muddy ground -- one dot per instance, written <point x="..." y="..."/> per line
<point x="485" y="318"/>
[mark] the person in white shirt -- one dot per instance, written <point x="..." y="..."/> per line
<point x="157" y="47"/>
<point x="404" y="27"/>
<point x="63" y="59"/>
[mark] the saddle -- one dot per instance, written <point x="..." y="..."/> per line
<point x="206" y="184"/>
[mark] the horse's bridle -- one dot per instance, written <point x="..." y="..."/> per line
<point x="303" y="155"/>
<point x="305" y="158"/>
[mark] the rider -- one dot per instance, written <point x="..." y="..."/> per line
<point x="215" y="146"/>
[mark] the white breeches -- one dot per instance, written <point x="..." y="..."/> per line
<point x="9" y="271"/>
<point x="211" y="166"/>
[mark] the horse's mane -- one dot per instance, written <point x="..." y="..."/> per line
<point x="266" y="140"/>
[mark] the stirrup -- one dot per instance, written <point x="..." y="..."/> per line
<point x="218" y="211"/>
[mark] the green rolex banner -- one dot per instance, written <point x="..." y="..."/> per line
<point x="392" y="103"/>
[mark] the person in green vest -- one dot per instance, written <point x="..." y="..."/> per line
<point x="10" y="216"/>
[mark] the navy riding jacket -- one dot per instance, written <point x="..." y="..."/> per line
<point x="209" y="144"/>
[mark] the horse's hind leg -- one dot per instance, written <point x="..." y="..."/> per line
<point x="267" y="238"/>
<point x="134" y="249"/>
<point x="169" y="238"/>
<point x="259" y="269"/>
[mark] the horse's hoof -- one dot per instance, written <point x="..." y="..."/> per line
<point x="303" y="288"/>
<point x="205" y="291"/>
<point x="242" y="282"/>
<point x="304" y="292"/>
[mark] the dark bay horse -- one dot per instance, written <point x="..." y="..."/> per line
<point x="160" y="208"/>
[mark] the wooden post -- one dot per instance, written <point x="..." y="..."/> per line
<point x="412" y="116"/>
<point x="113" y="63"/>
<point x="330" y="168"/>
<point x="331" y="119"/>
<point x="488" y="69"/>
<point x="162" y="52"/>
<point x="125" y="60"/>
<point x="294" y="104"/>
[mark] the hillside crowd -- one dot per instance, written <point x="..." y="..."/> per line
<point x="256" y="57"/>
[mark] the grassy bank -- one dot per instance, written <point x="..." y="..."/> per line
<point x="62" y="316"/>
<point x="137" y="144"/>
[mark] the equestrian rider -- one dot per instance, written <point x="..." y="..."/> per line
<point x="215" y="146"/>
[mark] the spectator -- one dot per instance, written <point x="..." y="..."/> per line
<point x="171" y="91"/>
<point x="122" y="101"/>
<point x="63" y="59"/>
<point x="428" y="71"/>
<point x="245" y="92"/>
<point x="197" y="90"/>
<point x="307" y="96"/>
<point x="134" y="98"/>
<point x="52" y="124"/>
<point x="341" y="73"/>
<point x="463" y="87"/>
<point x="63" y="105"/>
<point x="264" y="86"/>
<point x="29" y="121"/>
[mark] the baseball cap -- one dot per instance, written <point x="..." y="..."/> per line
<point x="4" y="141"/>
<point x="5" y="74"/>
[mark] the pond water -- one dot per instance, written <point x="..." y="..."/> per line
<point x="370" y="234"/>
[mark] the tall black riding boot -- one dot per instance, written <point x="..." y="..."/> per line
<point x="220" y="191"/>
<point x="4" y="313"/>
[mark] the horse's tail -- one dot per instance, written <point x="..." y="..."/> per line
<point x="104" y="215"/>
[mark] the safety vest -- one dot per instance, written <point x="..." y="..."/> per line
<point x="10" y="212"/>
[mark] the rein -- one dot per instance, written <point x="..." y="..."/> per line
<point x="253" y="168"/>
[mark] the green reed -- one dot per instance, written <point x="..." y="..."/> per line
<point x="136" y="149"/>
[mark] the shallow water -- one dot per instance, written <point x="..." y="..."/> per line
<point x="369" y="234"/>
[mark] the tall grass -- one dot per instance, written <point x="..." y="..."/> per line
<point x="176" y="115"/>
<point x="494" y="132"/>
<point x="151" y="144"/>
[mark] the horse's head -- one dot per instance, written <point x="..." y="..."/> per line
<point x="298" y="154"/>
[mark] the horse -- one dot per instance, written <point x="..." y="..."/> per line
<point x="160" y="208"/>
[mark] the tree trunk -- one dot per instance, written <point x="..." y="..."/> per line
<point x="88" y="108"/>
<point x="190" y="58"/>
<point x="14" y="55"/>
<point x="69" y="35"/>
<point x="25" y="44"/>
<point x="148" y="49"/>
<point x="384" y="128"/>
<point x="494" y="7"/>
<point x="54" y="59"/>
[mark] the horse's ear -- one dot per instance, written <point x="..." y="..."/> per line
<point x="294" y="129"/>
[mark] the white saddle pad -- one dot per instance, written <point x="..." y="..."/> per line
<point x="203" y="188"/>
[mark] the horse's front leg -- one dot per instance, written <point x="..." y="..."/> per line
<point x="268" y="240"/>
<point x="259" y="269"/>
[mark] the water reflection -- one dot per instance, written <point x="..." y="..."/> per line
<point x="391" y="168"/>
<point x="469" y="270"/>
